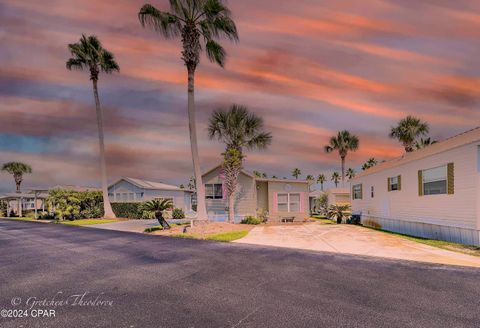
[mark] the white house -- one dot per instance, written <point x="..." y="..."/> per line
<point x="433" y="192"/>
<point x="278" y="198"/>
<point x="137" y="190"/>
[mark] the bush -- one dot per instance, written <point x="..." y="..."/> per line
<point x="74" y="205"/>
<point x="250" y="220"/>
<point x="127" y="210"/>
<point x="178" y="214"/>
<point x="339" y="213"/>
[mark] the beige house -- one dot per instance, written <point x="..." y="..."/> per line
<point x="281" y="198"/>
<point x="335" y="196"/>
<point x="433" y="192"/>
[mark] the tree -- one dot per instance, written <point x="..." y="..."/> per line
<point x="370" y="163"/>
<point x="408" y="130"/>
<point x="238" y="129"/>
<point x="89" y="54"/>
<point x="335" y="178"/>
<point x="422" y="143"/>
<point x="343" y="142"/>
<point x="182" y="186"/>
<point x="193" y="20"/>
<point x="350" y="173"/>
<point x="274" y="177"/>
<point x="264" y="175"/>
<point x="321" y="180"/>
<point x="296" y="173"/>
<point x="339" y="213"/>
<point x="17" y="169"/>
<point x="192" y="184"/>
<point x="257" y="174"/>
<point x="156" y="208"/>
<point x="310" y="178"/>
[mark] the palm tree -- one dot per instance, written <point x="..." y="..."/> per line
<point x="193" y="20"/>
<point x="264" y="175"/>
<point x="335" y="178"/>
<point x="350" y="173"/>
<point x="192" y="185"/>
<point x="343" y="142"/>
<point x="238" y="129"/>
<point x="257" y="174"/>
<point x="370" y="163"/>
<point x="274" y="177"/>
<point x="296" y="173"/>
<point x="156" y="208"/>
<point x="422" y="143"/>
<point x="89" y="54"/>
<point x="408" y="130"/>
<point x="17" y="169"/>
<point x="310" y="178"/>
<point x="321" y="180"/>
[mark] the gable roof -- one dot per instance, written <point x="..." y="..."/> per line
<point x="459" y="140"/>
<point x="151" y="185"/>
<point x="220" y="165"/>
<point x="251" y="175"/>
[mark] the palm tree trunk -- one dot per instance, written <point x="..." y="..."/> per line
<point x="201" y="208"/>
<point x="231" y="208"/>
<point x="343" y="171"/>
<point x="107" y="208"/>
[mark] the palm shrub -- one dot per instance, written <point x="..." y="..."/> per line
<point x="194" y="21"/>
<point x="339" y="213"/>
<point x="178" y="214"/>
<point x="238" y="129"/>
<point x="156" y="208"/>
<point x="17" y="169"/>
<point x="89" y="54"/>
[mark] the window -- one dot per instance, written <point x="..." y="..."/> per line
<point x="372" y="191"/>
<point x="214" y="191"/>
<point x="435" y="181"/>
<point x="357" y="191"/>
<point x="393" y="183"/>
<point x="288" y="202"/>
<point x="139" y="195"/>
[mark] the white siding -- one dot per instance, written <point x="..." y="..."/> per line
<point x="459" y="210"/>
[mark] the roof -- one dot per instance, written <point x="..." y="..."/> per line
<point x="316" y="193"/>
<point x="72" y="188"/>
<point x="251" y="175"/>
<point x="15" y="195"/>
<point x="462" y="139"/>
<point x="338" y="191"/>
<point x="152" y="185"/>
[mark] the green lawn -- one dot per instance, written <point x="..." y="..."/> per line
<point x="159" y="227"/>
<point x="22" y="219"/>
<point x="88" y="222"/>
<point x="322" y="219"/>
<point x="223" y="237"/>
<point x="465" y="249"/>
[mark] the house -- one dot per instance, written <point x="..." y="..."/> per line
<point x="433" y="192"/>
<point x="280" y="198"/>
<point x="137" y="190"/>
<point x="336" y="196"/>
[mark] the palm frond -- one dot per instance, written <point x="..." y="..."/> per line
<point x="163" y="22"/>
<point x="215" y="52"/>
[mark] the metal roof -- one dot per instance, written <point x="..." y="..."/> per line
<point x="145" y="184"/>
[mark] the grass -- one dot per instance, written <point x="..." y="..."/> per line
<point x="87" y="222"/>
<point x="322" y="219"/>
<point x="22" y="219"/>
<point x="223" y="237"/>
<point x="159" y="227"/>
<point x="448" y="245"/>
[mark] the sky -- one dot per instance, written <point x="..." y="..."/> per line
<point x="309" y="68"/>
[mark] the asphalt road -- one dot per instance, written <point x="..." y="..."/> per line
<point x="134" y="280"/>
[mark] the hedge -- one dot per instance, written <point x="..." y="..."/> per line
<point x="127" y="210"/>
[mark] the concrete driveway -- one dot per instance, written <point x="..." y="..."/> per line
<point x="349" y="239"/>
<point x="147" y="281"/>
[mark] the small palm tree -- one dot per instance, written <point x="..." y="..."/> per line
<point x="17" y="169"/>
<point x="321" y="180"/>
<point x="296" y="173"/>
<point x="422" y="143"/>
<point x="194" y="21"/>
<point x="335" y="178"/>
<point x="343" y="142"/>
<point x="238" y="129"/>
<point x="89" y="54"/>
<point x="274" y="177"/>
<point x="408" y="130"/>
<point x="339" y="213"/>
<point x="257" y="174"/>
<point x="350" y="173"/>
<point x="310" y="178"/>
<point x="156" y="208"/>
<point x="264" y="175"/>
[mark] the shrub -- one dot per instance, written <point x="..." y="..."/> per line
<point x="250" y="220"/>
<point x="321" y="204"/>
<point x="73" y="205"/>
<point x="3" y="208"/>
<point x="178" y="214"/>
<point x="339" y="213"/>
<point x="127" y="210"/>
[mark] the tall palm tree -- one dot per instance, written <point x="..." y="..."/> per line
<point x="422" y="143"/>
<point x="296" y="173"/>
<point x="408" y="130"/>
<point x="350" y="173"/>
<point x="343" y="142"/>
<point x="88" y="54"/>
<point x="17" y="169"/>
<point x="194" y="20"/>
<point x="310" y="178"/>
<point x="321" y="180"/>
<point x="335" y="178"/>
<point x="238" y="129"/>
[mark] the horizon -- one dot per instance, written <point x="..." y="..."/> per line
<point x="309" y="70"/>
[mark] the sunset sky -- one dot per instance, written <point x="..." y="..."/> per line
<point x="308" y="67"/>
